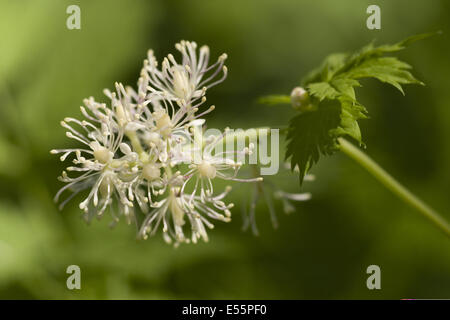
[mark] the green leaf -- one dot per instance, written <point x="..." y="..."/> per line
<point x="336" y="109"/>
<point x="350" y="113"/>
<point x="346" y="86"/>
<point x="386" y="69"/>
<point x="310" y="134"/>
<point x="322" y="90"/>
<point x="331" y="64"/>
<point x="313" y="133"/>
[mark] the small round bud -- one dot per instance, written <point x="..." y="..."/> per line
<point x="300" y="99"/>
<point x="120" y="115"/>
<point x="152" y="138"/>
<point x="207" y="170"/>
<point x="151" y="172"/>
<point x="163" y="122"/>
<point x="102" y="155"/>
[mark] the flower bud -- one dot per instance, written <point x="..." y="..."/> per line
<point x="151" y="172"/>
<point x="163" y="122"/>
<point x="300" y="99"/>
<point x="207" y="170"/>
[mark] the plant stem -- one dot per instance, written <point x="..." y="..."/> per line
<point x="135" y="143"/>
<point x="389" y="182"/>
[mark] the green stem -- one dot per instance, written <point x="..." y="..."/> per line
<point x="137" y="147"/>
<point x="135" y="143"/>
<point x="389" y="182"/>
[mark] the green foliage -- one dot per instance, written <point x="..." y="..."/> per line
<point x="312" y="129"/>
<point x="336" y="109"/>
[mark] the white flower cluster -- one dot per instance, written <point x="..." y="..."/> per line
<point x="139" y="150"/>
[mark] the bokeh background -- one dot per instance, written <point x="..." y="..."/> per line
<point x="320" y="251"/>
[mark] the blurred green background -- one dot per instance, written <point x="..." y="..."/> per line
<point x="320" y="251"/>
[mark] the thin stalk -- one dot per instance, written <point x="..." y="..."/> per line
<point x="135" y="143"/>
<point x="389" y="182"/>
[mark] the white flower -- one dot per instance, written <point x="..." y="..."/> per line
<point x="262" y="191"/>
<point x="172" y="213"/>
<point x="186" y="81"/>
<point x="212" y="164"/>
<point x="286" y="199"/>
<point x="102" y="138"/>
<point x="137" y="147"/>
